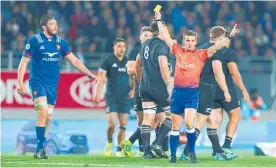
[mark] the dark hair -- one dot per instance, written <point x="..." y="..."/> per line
<point x="117" y="40"/>
<point x="144" y="29"/>
<point x="190" y="33"/>
<point x="154" y="28"/>
<point x="217" y="31"/>
<point x="173" y="38"/>
<point x="45" y="18"/>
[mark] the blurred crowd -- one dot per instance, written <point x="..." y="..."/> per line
<point x="92" y="26"/>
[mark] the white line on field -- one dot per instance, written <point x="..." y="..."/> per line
<point x="84" y="164"/>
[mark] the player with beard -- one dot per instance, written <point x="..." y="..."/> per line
<point x="43" y="52"/>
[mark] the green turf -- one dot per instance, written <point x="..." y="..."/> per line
<point x="245" y="160"/>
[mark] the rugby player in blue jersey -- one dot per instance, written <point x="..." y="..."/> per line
<point x="42" y="52"/>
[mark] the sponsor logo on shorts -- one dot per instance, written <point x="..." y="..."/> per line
<point x="107" y="109"/>
<point x="208" y="110"/>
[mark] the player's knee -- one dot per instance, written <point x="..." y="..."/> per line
<point x="40" y="105"/>
<point x="111" y="124"/>
<point x="146" y="122"/>
<point x="148" y="119"/>
<point x="189" y="125"/>
<point x="211" y="122"/>
<point x="140" y="118"/>
<point x="140" y="121"/>
<point x="176" y="126"/>
<point x="122" y="127"/>
<point x="235" y="116"/>
<point x="168" y="115"/>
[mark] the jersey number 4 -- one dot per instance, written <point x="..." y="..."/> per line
<point x="146" y="52"/>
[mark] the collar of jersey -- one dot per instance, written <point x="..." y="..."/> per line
<point x="190" y="50"/>
<point x="43" y="36"/>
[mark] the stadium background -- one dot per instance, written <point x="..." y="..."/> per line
<point x="91" y="27"/>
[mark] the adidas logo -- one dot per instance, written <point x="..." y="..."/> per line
<point x="115" y="65"/>
<point x="42" y="48"/>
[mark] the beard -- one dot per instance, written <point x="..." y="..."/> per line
<point x="51" y="33"/>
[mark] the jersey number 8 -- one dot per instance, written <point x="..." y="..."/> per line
<point x="146" y="53"/>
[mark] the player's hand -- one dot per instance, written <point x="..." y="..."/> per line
<point x="21" y="89"/>
<point x="234" y="31"/>
<point x="227" y="97"/>
<point x="93" y="78"/>
<point x="96" y="100"/>
<point x="246" y="96"/>
<point x="157" y="16"/>
<point x="131" y="94"/>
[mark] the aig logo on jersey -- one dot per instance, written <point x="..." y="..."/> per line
<point x="122" y="69"/>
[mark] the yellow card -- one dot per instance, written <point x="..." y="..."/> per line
<point x="157" y="8"/>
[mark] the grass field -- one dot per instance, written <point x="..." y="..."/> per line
<point x="246" y="159"/>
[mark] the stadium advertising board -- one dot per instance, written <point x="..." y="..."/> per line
<point x="74" y="91"/>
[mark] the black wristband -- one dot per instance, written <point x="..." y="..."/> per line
<point x="158" y="20"/>
<point x="228" y="35"/>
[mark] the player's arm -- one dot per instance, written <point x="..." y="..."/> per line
<point x="131" y="68"/>
<point x="236" y="76"/>
<point x="223" y="42"/>
<point x="100" y="82"/>
<point x="139" y="68"/>
<point x="20" y="75"/>
<point x="79" y="65"/>
<point x="165" y="73"/>
<point x="132" y="87"/>
<point x="220" y="78"/>
<point x="164" y="69"/>
<point x="131" y="63"/>
<point x="219" y="45"/>
<point x="28" y="53"/>
<point x="163" y="31"/>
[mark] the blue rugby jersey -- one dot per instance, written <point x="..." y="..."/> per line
<point x="45" y="54"/>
